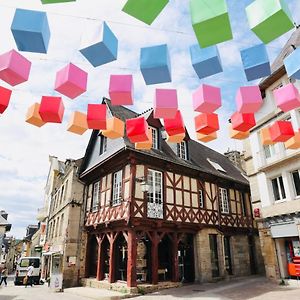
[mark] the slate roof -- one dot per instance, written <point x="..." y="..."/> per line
<point x="198" y="153"/>
<point x="5" y="223"/>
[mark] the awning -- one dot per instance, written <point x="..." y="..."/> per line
<point x="284" y="230"/>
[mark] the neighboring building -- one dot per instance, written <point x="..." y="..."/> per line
<point x="27" y="240"/>
<point x="64" y="222"/>
<point x="236" y="158"/>
<point x="14" y="253"/>
<point x="4" y="227"/>
<point x="178" y="212"/>
<point x="274" y="173"/>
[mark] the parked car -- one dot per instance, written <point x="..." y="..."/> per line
<point x="22" y="266"/>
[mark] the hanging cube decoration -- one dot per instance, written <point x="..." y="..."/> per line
<point x="165" y="103"/>
<point x="175" y="125"/>
<point x="137" y="130"/>
<point x="281" y="131"/>
<point x="5" y="95"/>
<point x="121" y="89"/>
<point x="293" y="142"/>
<point x="100" y="45"/>
<point x="144" y="10"/>
<point x="52" y="109"/>
<point x="147" y="145"/>
<point x="210" y="21"/>
<point x="242" y="122"/>
<point x="248" y="99"/>
<point x="155" y="64"/>
<point x="292" y="64"/>
<point x="14" y="68"/>
<point x="206" y="123"/>
<point x="33" y="116"/>
<point x="265" y="136"/>
<point x="114" y="128"/>
<point x="287" y="97"/>
<point x="207" y="98"/>
<point x="31" y="31"/>
<point x="56" y="1"/>
<point x="78" y="123"/>
<point x="238" y="135"/>
<point x="205" y="61"/>
<point x="96" y="116"/>
<point x="206" y="137"/>
<point x="176" y="138"/>
<point x="269" y="19"/>
<point x="71" y="81"/>
<point x="256" y="62"/>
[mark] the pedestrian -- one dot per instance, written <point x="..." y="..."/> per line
<point x="4" y="274"/>
<point x="29" y="275"/>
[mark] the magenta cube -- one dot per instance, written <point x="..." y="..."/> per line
<point x="121" y="89"/>
<point x="165" y="103"/>
<point x="14" y="68"/>
<point x="287" y="97"/>
<point x="207" y="98"/>
<point x="248" y="99"/>
<point x="71" y="81"/>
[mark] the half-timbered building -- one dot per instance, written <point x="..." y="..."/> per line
<point x="177" y="212"/>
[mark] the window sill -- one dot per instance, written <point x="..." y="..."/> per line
<point x="117" y="204"/>
<point x="279" y="201"/>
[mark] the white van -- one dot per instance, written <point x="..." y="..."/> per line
<point x="22" y="266"/>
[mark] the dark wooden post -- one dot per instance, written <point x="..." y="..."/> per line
<point x="111" y="237"/>
<point x="100" y="273"/>
<point x="131" y="259"/>
<point x="154" y="256"/>
<point x="175" y="273"/>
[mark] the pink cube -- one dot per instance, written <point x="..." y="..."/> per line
<point x="165" y="103"/>
<point x="51" y="109"/>
<point x="287" y="97"/>
<point x="248" y="99"/>
<point x="14" y="68"/>
<point x="71" y="81"/>
<point x="121" y="89"/>
<point x="207" y="98"/>
<point x="96" y="116"/>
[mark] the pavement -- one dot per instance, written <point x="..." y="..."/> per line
<point x="252" y="287"/>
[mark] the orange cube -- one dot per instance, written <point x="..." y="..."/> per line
<point x="177" y="138"/>
<point x="206" y="137"/>
<point x="238" y="135"/>
<point x="114" y="128"/>
<point x="78" y="123"/>
<point x="145" y="145"/>
<point x="265" y="136"/>
<point x="33" y="116"/>
<point x="293" y="142"/>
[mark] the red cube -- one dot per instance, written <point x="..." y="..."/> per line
<point x="281" y="131"/>
<point x="206" y="123"/>
<point x="96" y="116"/>
<point x="4" y="98"/>
<point x="137" y="130"/>
<point x="175" y="126"/>
<point x="52" y="109"/>
<point x="242" y="122"/>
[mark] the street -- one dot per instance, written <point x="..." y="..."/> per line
<point x="254" y="288"/>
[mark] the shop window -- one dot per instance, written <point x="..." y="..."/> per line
<point x="96" y="187"/>
<point x="278" y="188"/>
<point x="224" y="203"/>
<point x="296" y="181"/>
<point x="213" y="244"/>
<point x="117" y="188"/>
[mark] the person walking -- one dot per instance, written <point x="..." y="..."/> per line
<point x="29" y="275"/>
<point x="4" y="274"/>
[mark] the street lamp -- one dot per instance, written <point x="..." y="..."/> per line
<point x="143" y="183"/>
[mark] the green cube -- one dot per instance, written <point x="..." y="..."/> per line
<point x="144" y="10"/>
<point x="56" y="1"/>
<point x="210" y="21"/>
<point x="269" y="19"/>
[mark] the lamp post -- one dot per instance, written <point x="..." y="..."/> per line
<point x="143" y="183"/>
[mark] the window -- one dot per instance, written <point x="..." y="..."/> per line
<point x="117" y="188"/>
<point x="214" y="257"/>
<point x="201" y="199"/>
<point x="26" y="262"/>
<point x="269" y="150"/>
<point x="57" y="225"/>
<point x="216" y="165"/>
<point x="66" y="190"/>
<point x="224" y="205"/>
<point x="154" y="137"/>
<point x="61" y="225"/>
<point x="103" y="144"/>
<point x="278" y="188"/>
<point x="227" y="254"/>
<point x="62" y="194"/>
<point x="154" y="194"/>
<point x="181" y="150"/>
<point x="243" y="204"/>
<point x="96" y="195"/>
<point x="296" y="180"/>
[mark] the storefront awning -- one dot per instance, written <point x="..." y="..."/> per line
<point x="284" y="230"/>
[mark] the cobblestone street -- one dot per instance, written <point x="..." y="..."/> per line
<point x="254" y="288"/>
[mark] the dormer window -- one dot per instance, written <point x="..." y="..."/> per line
<point x="103" y="144"/>
<point x="216" y="165"/>
<point x="181" y="150"/>
<point x="154" y="132"/>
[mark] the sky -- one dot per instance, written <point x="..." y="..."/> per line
<point x="25" y="149"/>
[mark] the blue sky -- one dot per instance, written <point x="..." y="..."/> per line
<point x="24" y="149"/>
